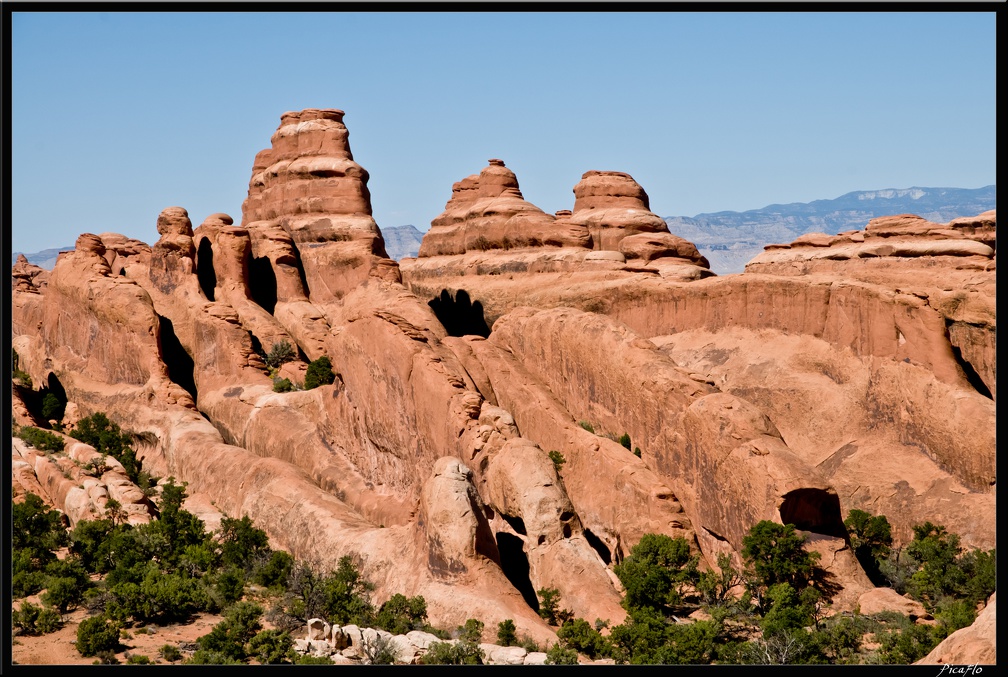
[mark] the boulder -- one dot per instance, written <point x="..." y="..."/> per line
<point x="318" y="629"/>
<point x="886" y="599"/>
<point x="535" y="658"/>
<point x="971" y="645"/>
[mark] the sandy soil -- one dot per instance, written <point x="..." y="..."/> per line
<point x="57" y="648"/>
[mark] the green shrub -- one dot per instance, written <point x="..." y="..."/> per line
<point x="170" y="653"/>
<point x="529" y="644"/>
<point x="282" y="385"/>
<point x="457" y="653"/>
<point x="624" y="439"/>
<point x="587" y="426"/>
<point x="144" y="593"/>
<point x="954" y="614"/>
<point x="107" y="438"/>
<point x="715" y="586"/>
<point x="980" y="567"/>
<point x="472" y="631"/>
<point x="22" y="377"/>
<point x="908" y="644"/>
<point x="655" y="571"/>
<point x="64" y="593"/>
<point x="97" y="634"/>
<point x="319" y="373"/>
<point x="776" y="554"/>
<point x="871" y="541"/>
<point x="549" y="605"/>
<point x="241" y="543"/>
<point x="280" y="352"/>
<point x="52" y="407"/>
<point x="26" y="579"/>
<point x="42" y="440"/>
<point x="558" y="460"/>
<point x="207" y="657"/>
<point x="106" y="657"/>
<point x="90" y="543"/>
<point x="637" y="452"/>
<point x="273" y="570"/>
<point x="272" y="647"/>
<point x="579" y="635"/>
<point x="379" y="651"/>
<point x="31" y="619"/>
<point x="787" y="610"/>
<point x="558" y="655"/>
<point x="138" y="659"/>
<point x="506" y="633"/>
<point x="242" y="622"/>
<point x="230" y="585"/>
<point x="38" y="530"/>
<point x="308" y="659"/>
<point x="841" y="639"/>
<point x="400" y="614"/>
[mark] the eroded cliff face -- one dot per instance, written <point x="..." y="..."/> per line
<point x="794" y="392"/>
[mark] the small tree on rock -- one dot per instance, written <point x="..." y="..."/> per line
<point x="319" y="373"/>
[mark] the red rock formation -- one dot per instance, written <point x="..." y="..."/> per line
<point x="428" y="458"/>
<point x="949" y="267"/>
<point x="308" y="184"/>
<point x="487" y="212"/>
<point x="26" y="277"/>
<point x="488" y="235"/>
<point x="612" y="206"/>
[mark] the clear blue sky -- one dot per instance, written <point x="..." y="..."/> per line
<point x="118" y="115"/>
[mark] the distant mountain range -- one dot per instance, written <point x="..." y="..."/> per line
<point x="730" y="240"/>
<point x="402" y="241"/>
<point x="43" y="259"/>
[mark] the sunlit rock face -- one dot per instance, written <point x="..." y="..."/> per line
<point x="838" y="372"/>
<point x="309" y="185"/>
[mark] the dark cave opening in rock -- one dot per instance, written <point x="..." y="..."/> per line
<point x="515" y="566"/>
<point x="460" y="316"/>
<point x="517" y="523"/>
<point x="205" y="270"/>
<point x="301" y="271"/>
<point x="257" y="346"/>
<point x="52" y="399"/>
<point x="263" y="283"/>
<point x="181" y="368"/>
<point x="596" y="543"/>
<point x="813" y="510"/>
<point x="972" y="376"/>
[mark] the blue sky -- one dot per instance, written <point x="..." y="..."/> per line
<point x="115" y="116"/>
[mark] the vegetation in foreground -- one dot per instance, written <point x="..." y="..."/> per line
<point x="775" y="609"/>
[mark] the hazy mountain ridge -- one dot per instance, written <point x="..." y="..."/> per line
<point x="402" y="241"/>
<point x="43" y="259"/>
<point x="730" y="239"/>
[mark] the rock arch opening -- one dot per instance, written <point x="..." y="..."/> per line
<point x="263" y="283"/>
<point x="205" y="270"/>
<point x="515" y="565"/>
<point x="814" y="510"/>
<point x="181" y="368"/>
<point x="460" y="315"/>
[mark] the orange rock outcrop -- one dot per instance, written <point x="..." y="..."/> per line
<point x="837" y="372"/>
